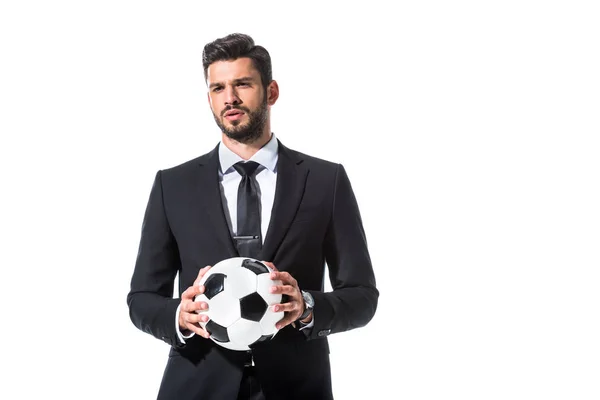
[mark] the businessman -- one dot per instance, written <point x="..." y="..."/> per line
<point x="252" y="197"/>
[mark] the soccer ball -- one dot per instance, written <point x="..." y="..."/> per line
<point x="239" y="303"/>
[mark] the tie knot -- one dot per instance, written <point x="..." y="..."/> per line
<point x="246" y="168"/>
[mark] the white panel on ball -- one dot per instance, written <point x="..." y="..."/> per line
<point x="244" y="331"/>
<point x="268" y="321"/>
<point x="243" y="284"/>
<point x="224" y="309"/>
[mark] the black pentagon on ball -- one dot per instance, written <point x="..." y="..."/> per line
<point x="253" y="307"/>
<point x="217" y="332"/>
<point x="214" y="285"/>
<point x="255" y="266"/>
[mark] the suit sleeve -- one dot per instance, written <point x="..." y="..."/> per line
<point x="151" y="305"/>
<point x="353" y="301"/>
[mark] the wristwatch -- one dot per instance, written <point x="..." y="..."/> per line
<point x="309" y="304"/>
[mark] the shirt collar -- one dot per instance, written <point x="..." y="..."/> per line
<point x="266" y="156"/>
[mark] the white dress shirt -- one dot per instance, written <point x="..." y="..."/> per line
<point x="229" y="181"/>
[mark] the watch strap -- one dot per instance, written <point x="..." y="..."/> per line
<point x="307" y="309"/>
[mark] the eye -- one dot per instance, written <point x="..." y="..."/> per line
<point x="243" y="84"/>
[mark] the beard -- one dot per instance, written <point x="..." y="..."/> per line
<point x="245" y="133"/>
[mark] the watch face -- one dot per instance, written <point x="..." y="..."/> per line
<point x="308" y="299"/>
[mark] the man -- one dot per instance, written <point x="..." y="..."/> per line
<point x="251" y="197"/>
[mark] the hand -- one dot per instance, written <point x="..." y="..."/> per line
<point x="295" y="306"/>
<point x="188" y="316"/>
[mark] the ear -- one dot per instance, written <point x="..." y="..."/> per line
<point x="272" y="93"/>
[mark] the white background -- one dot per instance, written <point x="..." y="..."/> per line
<point x="469" y="130"/>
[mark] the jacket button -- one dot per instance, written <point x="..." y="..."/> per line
<point x="324" y="332"/>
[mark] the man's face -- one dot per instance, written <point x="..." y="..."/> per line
<point x="237" y="99"/>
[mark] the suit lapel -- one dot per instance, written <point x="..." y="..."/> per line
<point x="209" y="196"/>
<point x="291" y="179"/>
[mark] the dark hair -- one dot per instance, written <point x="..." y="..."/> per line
<point x="238" y="45"/>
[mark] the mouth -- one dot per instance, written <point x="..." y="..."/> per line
<point x="234" y="115"/>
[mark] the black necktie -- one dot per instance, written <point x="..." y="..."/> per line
<point x="248" y="239"/>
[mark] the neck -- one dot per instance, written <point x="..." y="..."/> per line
<point x="246" y="151"/>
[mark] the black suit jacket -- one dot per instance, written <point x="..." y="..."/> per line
<point x="315" y="220"/>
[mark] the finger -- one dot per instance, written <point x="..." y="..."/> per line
<point x="293" y="306"/>
<point x="285" y="321"/>
<point x="197" y="329"/>
<point x="284" y="277"/>
<point x="194" y="306"/>
<point x="285" y="289"/>
<point x="270" y="264"/>
<point x="195" y="318"/>
<point x="192" y="292"/>
<point x="201" y="273"/>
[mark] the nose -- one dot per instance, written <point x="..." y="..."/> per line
<point x="231" y="96"/>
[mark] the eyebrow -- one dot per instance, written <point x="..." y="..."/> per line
<point x="239" y="80"/>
